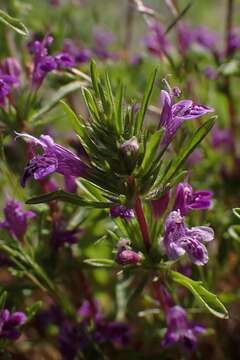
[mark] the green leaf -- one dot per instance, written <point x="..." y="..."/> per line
<point x="151" y="150"/>
<point x="176" y="20"/>
<point x="236" y="212"/>
<point x="94" y="77"/>
<point x="145" y="102"/>
<point x="91" y="104"/>
<point x="205" y="297"/>
<point x="75" y="121"/>
<point x="234" y="232"/>
<point x="68" y="198"/>
<point x="33" y="309"/>
<point x="198" y="136"/>
<point x="100" y="262"/>
<point x="61" y="93"/>
<point x="3" y="298"/>
<point x="119" y="110"/>
<point x="13" y="23"/>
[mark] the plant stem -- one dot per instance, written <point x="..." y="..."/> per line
<point x="230" y="99"/>
<point x="229" y="23"/>
<point x="142" y="223"/>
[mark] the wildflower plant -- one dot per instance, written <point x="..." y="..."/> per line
<point x="108" y="234"/>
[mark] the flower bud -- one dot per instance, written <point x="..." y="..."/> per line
<point x="176" y="91"/>
<point x="129" y="153"/>
<point x="127" y="257"/>
<point x="11" y="66"/>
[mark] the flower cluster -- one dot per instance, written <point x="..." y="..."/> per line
<point x="45" y="63"/>
<point x="16" y="218"/>
<point x="10" y="323"/>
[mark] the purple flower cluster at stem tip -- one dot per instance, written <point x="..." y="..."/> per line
<point x="179" y="239"/>
<point x="180" y="330"/>
<point x="80" y="55"/>
<point x="16" y="218"/>
<point x="55" y="158"/>
<point x="156" y="42"/>
<point x="9" y="324"/>
<point x="102" y="40"/>
<point x="173" y="115"/>
<point x="187" y="199"/>
<point x="44" y="63"/>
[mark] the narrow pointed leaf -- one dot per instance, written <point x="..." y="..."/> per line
<point x="198" y="136"/>
<point x="236" y="212"/>
<point x="13" y="23"/>
<point x="68" y="198"/>
<point x="151" y="151"/>
<point x="145" y="102"/>
<point x="60" y="94"/>
<point x="207" y="299"/>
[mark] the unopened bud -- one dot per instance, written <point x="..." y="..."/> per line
<point x="176" y="91"/>
<point x="130" y="146"/>
<point x="129" y="153"/>
<point x="128" y="257"/>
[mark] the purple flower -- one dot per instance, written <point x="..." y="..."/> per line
<point x="125" y="255"/>
<point x="210" y="72"/>
<point x="55" y="158"/>
<point x="115" y="332"/>
<point x="102" y="40"/>
<point x="194" y="158"/>
<point x="70" y="184"/>
<point x="180" y="330"/>
<point x="185" y="38"/>
<point x="221" y="137"/>
<point x="233" y="43"/>
<point x="64" y="60"/>
<point x="80" y="55"/>
<point x="135" y="59"/>
<point x="72" y="339"/>
<point x="16" y="218"/>
<point x="159" y="206"/>
<point x="121" y="211"/>
<point x="62" y="236"/>
<point x="187" y="199"/>
<point x="90" y="310"/>
<point x="179" y="239"/>
<point x="7" y="82"/>
<point x="9" y="324"/>
<point x="156" y="42"/>
<point x="173" y="115"/>
<point x="11" y="66"/>
<point x="43" y="63"/>
<point x="206" y="38"/>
